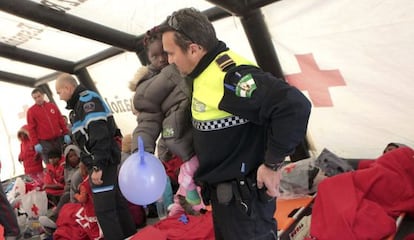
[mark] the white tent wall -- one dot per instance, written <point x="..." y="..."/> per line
<point x="369" y="43"/>
<point x="366" y="46"/>
<point x="112" y="77"/>
<point x="15" y="100"/>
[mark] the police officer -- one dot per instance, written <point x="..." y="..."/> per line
<point x="95" y="131"/>
<point x="245" y="122"/>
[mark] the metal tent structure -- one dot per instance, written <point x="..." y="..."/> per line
<point x="39" y="35"/>
<point x="353" y="61"/>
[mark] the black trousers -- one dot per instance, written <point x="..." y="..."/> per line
<point x="111" y="207"/>
<point x="245" y="216"/>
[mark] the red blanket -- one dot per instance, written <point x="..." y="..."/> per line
<point x="363" y="204"/>
<point x="171" y="228"/>
<point x="73" y="223"/>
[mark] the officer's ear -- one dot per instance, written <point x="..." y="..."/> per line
<point x="195" y="48"/>
<point x="196" y="52"/>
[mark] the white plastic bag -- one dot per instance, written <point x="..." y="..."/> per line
<point x="34" y="203"/>
<point x="300" y="179"/>
<point x="18" y="189"/>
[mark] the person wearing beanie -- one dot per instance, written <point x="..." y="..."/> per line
<point x="71" y="172"/>
<point x="72" y="179"/>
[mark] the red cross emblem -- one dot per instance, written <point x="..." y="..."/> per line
<point x="289" y="168"/>
<point x="315" y="80"/>
<point x="35" y="210"/>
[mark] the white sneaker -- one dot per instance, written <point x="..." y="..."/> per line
<point x="46" y="222"/>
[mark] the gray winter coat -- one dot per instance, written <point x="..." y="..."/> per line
<point x="163" y="102"/>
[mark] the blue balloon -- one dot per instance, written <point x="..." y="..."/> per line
<point x="142" y="177"/>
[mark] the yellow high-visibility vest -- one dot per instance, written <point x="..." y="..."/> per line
<point x="208" y="90"/>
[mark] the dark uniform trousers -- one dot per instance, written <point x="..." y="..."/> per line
<point x="238" y="204"/>
<point x="111" y="207"/>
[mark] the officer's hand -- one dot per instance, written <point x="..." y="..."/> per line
<point x="270" y="179"/>
<point x="38" y="148"/>
<point x="97" y="177"/>
<point x="67" y="139"/>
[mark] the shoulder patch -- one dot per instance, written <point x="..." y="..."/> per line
<point x="246" y="86"/>
<point x="224" y="62"/>
<point x="168" y="132"/>
<point x="89" y="107"/>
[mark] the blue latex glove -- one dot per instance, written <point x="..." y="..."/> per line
<point x="38" y="148"/>
<point x="67" y="139"/>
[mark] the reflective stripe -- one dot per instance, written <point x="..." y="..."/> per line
<point x="82" y="125"/>
<point x="219" y="123"/>
<point x="103" y="189"/>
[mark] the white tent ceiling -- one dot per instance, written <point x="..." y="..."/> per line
<point x="129" y="16"/>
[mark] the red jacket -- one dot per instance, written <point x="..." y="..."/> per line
<point x="85" y="197"/>
<point x="55" y="175"/>
<point x="45" y="122"/>
<point x="77" y="221"/>
<point x="32" y="162"/>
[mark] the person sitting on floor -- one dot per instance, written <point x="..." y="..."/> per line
<point x="72" y="160"/>
<point x="54" y="179"/>
<point x="78" y="220"/>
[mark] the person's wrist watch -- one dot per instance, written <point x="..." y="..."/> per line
<point x="273" y="166"/>
<point x="96" y="168"/>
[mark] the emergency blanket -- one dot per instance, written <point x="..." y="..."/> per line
<point x="364" y="204"/>
<point x="74" y="224"/>
<point x="179" y="227"/>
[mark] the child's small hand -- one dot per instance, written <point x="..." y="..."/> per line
<point x="188" y="208"/>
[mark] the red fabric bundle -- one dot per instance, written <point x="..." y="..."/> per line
<point x="171" y="228"/>
<point x="363" y="204"/>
